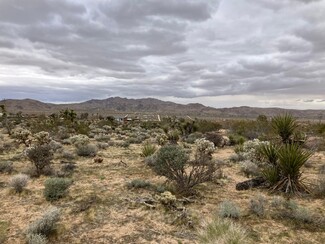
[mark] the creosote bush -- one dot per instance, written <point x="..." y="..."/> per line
<point x="56" y="188"/>
<point x="41" y="156"/>
<point x="19" y="182"/>
<point x="173" y="163"/>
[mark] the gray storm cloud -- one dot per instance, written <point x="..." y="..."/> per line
<point x="68" y="50"/>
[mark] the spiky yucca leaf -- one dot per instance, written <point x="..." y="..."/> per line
<point x="271" y="174"/>
<point x="291" y="159"/>
<point x="270" y="153"/>
<point x="285" y="126"/>
<point x="148" y="150"/>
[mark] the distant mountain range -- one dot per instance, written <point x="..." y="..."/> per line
<point x="118" y="105"/>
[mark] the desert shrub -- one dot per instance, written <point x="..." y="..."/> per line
<point x="277" y="201"/>
<point x="124" y="144"/>
<point x="102" y="137"/>
<point x="173" y="163"/>
<point x="257" y="205"/>
<point x="216" y="138"/>
<point x="148" y="149"/>
<point x="55" y="146"/>
<point x="229" y="209"/>
<point x="102" y="145"/>
<point x="205" y="126"/>
<point x="36" y="239"/>
<point x="18" y="182"/>
<point x="46" y="224"/>
<point x="56" y="188"/>
<point x="284" y="126"/>
<point x="236" y="158"/>
<point x="251" y="150"/>
<point x="151" y="160"/>
<point x="88" y="150"/>
<point x="302" y="214"/>
<point x="79" y="140"/>
<point x="6" y="167"/>
<point x="236" y="139"/>
<point x="173" y="136"/>
<point x="248" y="129"/>
<point x="162" y="139"/>
<point x="249" y="168"/>
<point x="5" y="147"/>
<point x="167" y="199"/>
<point x="138" y="183"/>
<point x="41" y="157"/>
<point x="193" y="137"/>
<point x="204" y="147"/>
<point x="319" y="189"/>
<point x="42" y="138"/>
<point x="67" y="169"/>
<point x="137" y="140"/>
<point x="223" y="231"/>
<point x="22" y="136"/>
<point x="68" y="155"/>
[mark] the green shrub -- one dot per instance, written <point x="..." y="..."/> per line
<point x="41" y="156"/>
<point x="236" y="139"/>
<point x="45" y="225"/>
<point x="87" y="150"/>
<point x="173" y="136"/>
<point x="6" y="167"/>
<point x="229" y="209"/>
<point x="148" y="150"/>
<point x="56" y="188"/>
<point x="205" y="126"/>
<point x="19" y="182"/>
<point x="223" y="231"/>
<point x="173" y="163"/>
<point x="138" y="183"/>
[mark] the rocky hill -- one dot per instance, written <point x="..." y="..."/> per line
<point x="120" y="105"/>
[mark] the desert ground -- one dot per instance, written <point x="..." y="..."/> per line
<point x="103" y="206"/>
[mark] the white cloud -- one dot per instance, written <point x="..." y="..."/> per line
<point x="230" y="52"/>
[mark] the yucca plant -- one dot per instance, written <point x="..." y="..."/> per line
<point x="291" y="159"/>
<point x="271" y="174"/>
<point x="269" y="152"/>
<point x="285" y="126"/>
<point x="148" y="149"/>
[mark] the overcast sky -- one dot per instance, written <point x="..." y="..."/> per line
<point x="221" y="53"/>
